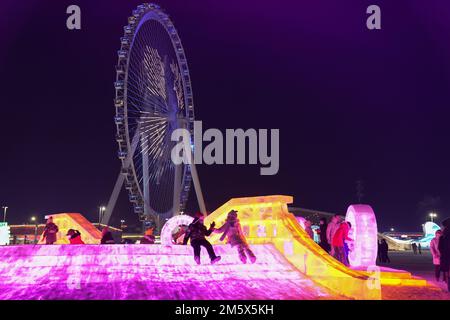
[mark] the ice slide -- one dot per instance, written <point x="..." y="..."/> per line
<point x="289" y="265"/>
<point x="266" y="220"/>
<point x="148" y="272"/>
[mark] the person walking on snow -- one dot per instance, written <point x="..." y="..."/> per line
<point x="434" y="249"/>
<point x="235" y="237"/>
<point x="414" y="247"/>
<point x="197" y="232"/>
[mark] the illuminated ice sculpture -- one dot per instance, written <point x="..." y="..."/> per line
<point x="364" y="234"/>
<point x="171" y="225"/>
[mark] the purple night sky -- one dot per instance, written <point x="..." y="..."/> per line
<point x="350" y="103"/>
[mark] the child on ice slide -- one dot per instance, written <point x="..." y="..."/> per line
<point x="232" y="229"/>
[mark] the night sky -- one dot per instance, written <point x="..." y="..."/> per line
<point x="350" y="103"/>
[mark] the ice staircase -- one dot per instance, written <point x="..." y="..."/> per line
<point x="149" y="272"/>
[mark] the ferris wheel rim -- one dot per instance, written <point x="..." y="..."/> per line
<point x="143" y="14"/>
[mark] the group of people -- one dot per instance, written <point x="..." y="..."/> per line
<point x="231" y="230"/>
<point x="440" y="250"/>
<point x="334" y="237"/>
<point x="74" y="236"/>
<point x="196" y="232"/>
<point x="416" y="248"/>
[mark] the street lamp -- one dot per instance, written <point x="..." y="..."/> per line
<point x="4" y="213"/>
<point x="392" y="229"/>
<point x="432" y="216"/>
<point x="101" y="211"/>
<point x="33" y="219"/>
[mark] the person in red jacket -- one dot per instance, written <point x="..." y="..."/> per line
<point x="339" y="238"/>
<point x="74" y="236"/>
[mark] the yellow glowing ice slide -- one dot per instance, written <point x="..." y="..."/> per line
<point x="266" y="220"/>
<point x="66" y="221"/>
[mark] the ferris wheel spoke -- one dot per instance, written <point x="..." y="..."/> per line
<point x="150" y="80"/>
<point x="142" y="85"/>
<point x="146" y="100"/>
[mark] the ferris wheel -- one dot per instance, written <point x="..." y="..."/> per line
<point x="153" y="97"/>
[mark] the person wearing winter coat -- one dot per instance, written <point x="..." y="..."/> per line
<point x="107" y="237"/>
<point x="74" y="236"/>
<point x="331" y="230"/>
<point x="384" y="249"/>
<point x="338" y="243"/>
<point x="434" y="249"/>
<point x="324" y="244"/>
<point x="308" y="229"/>
<point x="235" y="237"/>
<point x="50" y="231"/>
<point x="197" y="233"/>
<point x="148" y="237"/>
<point x="414" y="247"/>
<point x="444" y="250"/>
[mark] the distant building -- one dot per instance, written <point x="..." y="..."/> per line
<point x="25" y="233"/>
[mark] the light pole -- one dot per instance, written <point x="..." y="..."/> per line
<point x="4" y="213"/>
<point x="432" y="216"/>
<point x="33" y="219"/>
<point x="101" y="210"/>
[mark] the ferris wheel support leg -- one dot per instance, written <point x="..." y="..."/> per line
<point x="113" y="199"/>
<point x="177" y="190"/>
<point x="198" y="189"/>
<point x="145" y="177"/>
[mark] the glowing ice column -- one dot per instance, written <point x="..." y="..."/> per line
<point x="364" y="233"/>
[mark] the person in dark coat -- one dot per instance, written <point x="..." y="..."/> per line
<point x="419" y="247"/>
<point x="197" y="232"/>
<point x="323" y="235"/>
<point x="107" y="237"/>
<point x="378" y="251"/>
<point x="50" y="231"/>
<point x="414" y="247"/>
<point x="444" y="250"/>
<point x="384" y="249"/>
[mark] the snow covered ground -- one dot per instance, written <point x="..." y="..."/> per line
<point x="418" y="265"/>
